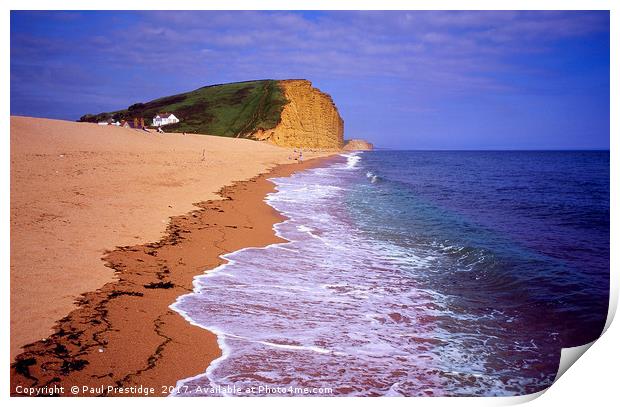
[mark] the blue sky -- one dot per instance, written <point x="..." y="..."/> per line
<point x="401" y="79"/>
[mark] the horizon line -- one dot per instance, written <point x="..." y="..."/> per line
<point x="490" y="149"/>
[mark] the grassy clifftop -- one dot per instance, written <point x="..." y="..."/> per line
<point x="232" y="110"/>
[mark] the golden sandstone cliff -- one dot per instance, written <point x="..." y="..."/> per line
<point x="357" y="145"/>
<point x="289" y="113"/>
<point x="310" y="119"/>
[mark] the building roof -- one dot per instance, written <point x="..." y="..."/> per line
<point x="128" y="123"/>
<point x="164" y="115"/>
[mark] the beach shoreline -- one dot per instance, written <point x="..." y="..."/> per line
<point x="124" y="334"/>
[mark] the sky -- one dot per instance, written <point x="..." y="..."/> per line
<point x="401" y="79"/>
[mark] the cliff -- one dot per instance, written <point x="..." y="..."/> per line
<point x="357" y="145"/>
<point x="288" y="113"/>
<point x="310" y="119"/>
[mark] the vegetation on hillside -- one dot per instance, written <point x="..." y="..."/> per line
<point x="232" y="110"/>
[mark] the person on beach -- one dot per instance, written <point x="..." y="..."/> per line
<point x="300" y="156"/>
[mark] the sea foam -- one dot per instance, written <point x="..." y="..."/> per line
<point x="335" y="308"/>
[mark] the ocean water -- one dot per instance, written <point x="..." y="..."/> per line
<point x="414" y="273"/>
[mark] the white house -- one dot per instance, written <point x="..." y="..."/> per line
<point x="163" y="119"/>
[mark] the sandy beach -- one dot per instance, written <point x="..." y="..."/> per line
<point x="127" y="219"/>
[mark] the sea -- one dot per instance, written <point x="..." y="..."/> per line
<point x="413" y="273"/>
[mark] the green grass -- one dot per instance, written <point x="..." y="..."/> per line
<point x="231" y="110"/>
